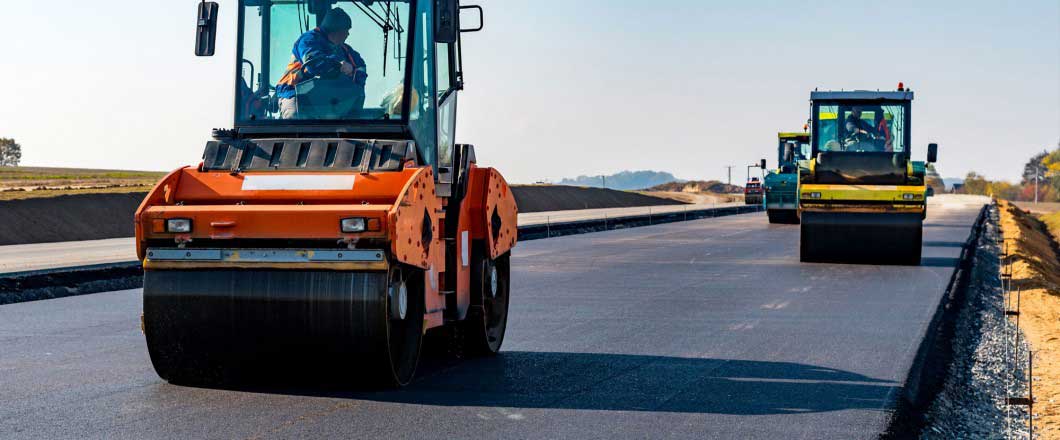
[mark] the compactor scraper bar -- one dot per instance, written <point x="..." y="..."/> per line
<point x="854" y="237"/>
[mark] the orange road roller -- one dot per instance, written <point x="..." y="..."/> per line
<point x="337" y="222"/>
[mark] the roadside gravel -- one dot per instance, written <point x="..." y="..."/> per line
<point x="984" y="371"/>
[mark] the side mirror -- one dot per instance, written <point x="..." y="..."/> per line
<point x="206" y="29"/>
<point x="481" y="20"/>
<point x="446" y="20"/>
<point x="933" y="153"/>
<point x="930" y="192"/>
<point x="763" y="164"/>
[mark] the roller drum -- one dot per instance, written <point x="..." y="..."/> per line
<point x="854" y="237"/>
<point x="223" y="326"/>
<point x="783" y="216"/>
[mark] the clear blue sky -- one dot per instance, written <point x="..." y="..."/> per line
<point x="557" y="88"/>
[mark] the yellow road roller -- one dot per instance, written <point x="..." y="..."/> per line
<point x="863" y="198"/>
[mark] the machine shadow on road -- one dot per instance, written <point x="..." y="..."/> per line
<point x="618" y="382"/>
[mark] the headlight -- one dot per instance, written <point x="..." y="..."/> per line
<point x="178" y="225"/>
<point x="356" y="224"/>
<point x="907" y="196"/>
<point x="813" y="195"/>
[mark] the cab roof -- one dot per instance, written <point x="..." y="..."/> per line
<point x="861" y="95"/>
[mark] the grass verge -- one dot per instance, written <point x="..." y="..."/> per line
<point x="20" y="183"/>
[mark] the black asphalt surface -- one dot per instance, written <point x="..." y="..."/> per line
<point x="701" y="329"/>
<point x="545" y="198"/>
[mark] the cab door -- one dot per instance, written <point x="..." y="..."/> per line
<point x="447" y="56"/>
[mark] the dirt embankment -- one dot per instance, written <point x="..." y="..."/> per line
<point x="697" y="186"/>
<point x="694" y="197"/>
<point x="541" y="198"/>
<point x="68" y="218"/>
<point x="1036" y="271"/>
<point x="1038" y="208"/>
<point x="697" y="192"/>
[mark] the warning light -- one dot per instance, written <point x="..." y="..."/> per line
<point x="901" y="87"/>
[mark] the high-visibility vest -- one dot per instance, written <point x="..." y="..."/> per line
<point x="293" y="75"/>
<point x="295" y="69"/>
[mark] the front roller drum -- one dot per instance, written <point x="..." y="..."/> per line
<point x="855" y="237"/>
<point x="215" y="327"/>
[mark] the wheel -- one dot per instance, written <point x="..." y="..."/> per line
<point x="404" y="309"/>
<point x="487" y="318"/>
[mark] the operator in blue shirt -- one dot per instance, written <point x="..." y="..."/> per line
<point x="323" y="53"/>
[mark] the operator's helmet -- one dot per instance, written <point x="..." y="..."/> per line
<point x="336" y="20"/>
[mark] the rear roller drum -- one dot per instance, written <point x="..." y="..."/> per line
<point x="783" y="216"/>
<point x="482" y="332"/>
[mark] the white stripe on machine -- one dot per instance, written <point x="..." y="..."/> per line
<point x="289" y="182"/>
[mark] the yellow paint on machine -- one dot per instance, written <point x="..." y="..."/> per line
<point x="854" y="207"/>
<point x="862" y="193"/>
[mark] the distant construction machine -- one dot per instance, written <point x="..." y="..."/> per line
<point x="863" y="198"/>
<point x="753" y="192"/>
<point x="782" y="184"/>
<point x="322" y="237"/>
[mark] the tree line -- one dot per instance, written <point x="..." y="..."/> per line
<point x="1043" y="168"/>
<point x="10" y="153"/>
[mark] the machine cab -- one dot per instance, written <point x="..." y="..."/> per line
<point x="792" y="149"/>
<point x="861" y="122"/>
<point x="868" y="131"/>
<point x="388" y="70"/>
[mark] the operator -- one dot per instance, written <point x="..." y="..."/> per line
<point x="323" y="52"/>
<point x="858" y="139"/>
<point x="855" y="117"/>
<point x="860" y="135"/>
<point x="884" y="130"/>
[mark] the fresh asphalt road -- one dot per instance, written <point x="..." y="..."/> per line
<point x="700" y="329"/>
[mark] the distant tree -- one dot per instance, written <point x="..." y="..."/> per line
<point x="10" y="152"/>
<point x="975" y="184"/>
<point x="1034" y="166"/>
<point x="1051" y="172"/>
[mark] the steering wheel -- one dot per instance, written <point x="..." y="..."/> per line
<point x="857" y="141"/>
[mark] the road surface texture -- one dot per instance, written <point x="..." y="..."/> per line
<point x="45" y="256"/>
<point x="41" y="256"/>
<point x="699" y="329"/>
